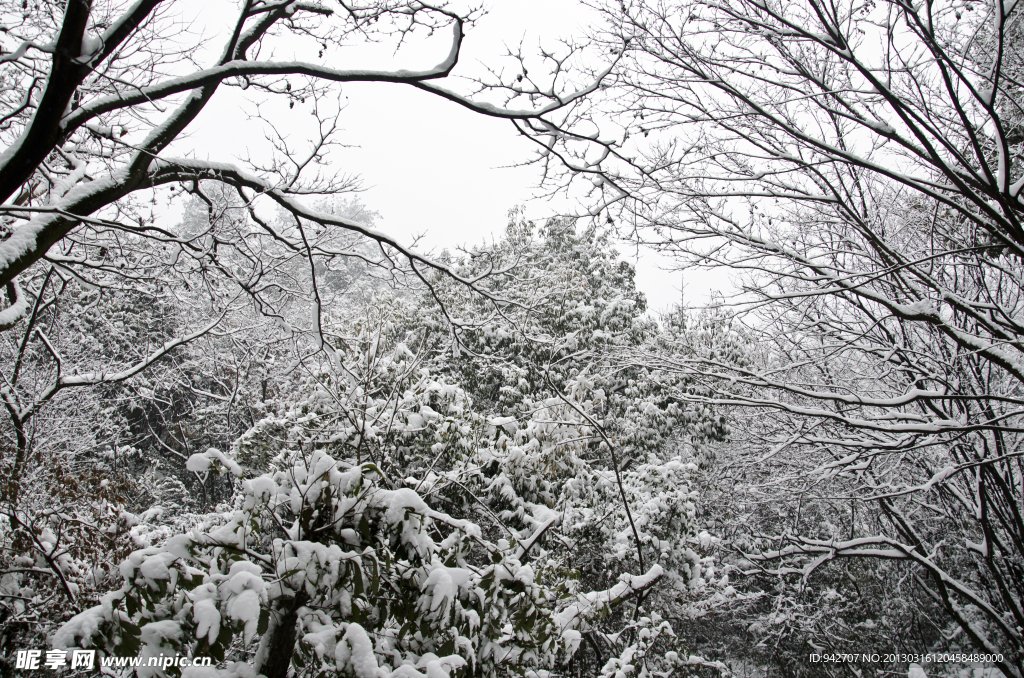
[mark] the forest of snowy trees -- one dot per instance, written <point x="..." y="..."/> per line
<point x="244" y="424"/>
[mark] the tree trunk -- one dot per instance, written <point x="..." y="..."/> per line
<point x="282" y="641"/>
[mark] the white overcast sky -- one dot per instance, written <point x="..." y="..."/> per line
<point x="434" y="169"/>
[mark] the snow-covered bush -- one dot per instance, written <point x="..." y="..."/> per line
<point x="319" y="566"/>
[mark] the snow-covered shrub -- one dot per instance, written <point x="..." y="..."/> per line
<point x="320" y="566"/>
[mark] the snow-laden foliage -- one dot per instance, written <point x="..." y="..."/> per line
<point x="357" y="579"/>
<point x="583" y="484"/>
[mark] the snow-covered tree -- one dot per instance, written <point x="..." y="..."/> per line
<point x="859" y="164"/>
<point x="105" y="291"/>
<point x="589" y="500"/>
